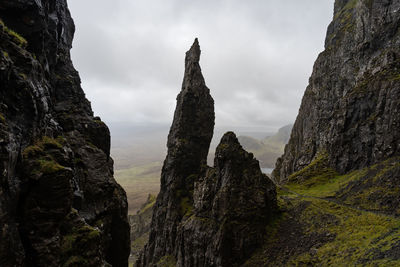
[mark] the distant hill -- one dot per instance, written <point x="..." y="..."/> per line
<point x="268" y="149"/>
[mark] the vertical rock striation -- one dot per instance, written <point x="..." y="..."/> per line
<point x="59" y="202"/>
<point x="188" y="143"/>
<point x="349" y="112"/>
<point x="206" y="216"/>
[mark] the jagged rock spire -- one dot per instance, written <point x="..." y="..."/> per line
<point x="193" y="54"/>
<point x="218" y="206"/>
<point x="188" y="143"/>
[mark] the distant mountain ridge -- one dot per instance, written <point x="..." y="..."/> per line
<point x="268" y="149"/>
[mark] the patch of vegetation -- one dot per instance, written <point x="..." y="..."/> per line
<point x="49" y="166"/>
<point x="140" y="242"/>
<point x="80" y="236"/>
<point x="32" y="151"/>
<point x="2" y="118"/>
<point x="325" y="187"/>
<point x="356" y="233"/>
<point x="18" y="39"/>
<point x="395" y="77"/>
<point x="345" y="22"/>
<point x="389" y="73"/>
<point x="336" y="235"/>
<point x="167" y="261"/>
<point x="186" y="206"/>
<point x="98" y="121"/>
<point x="367" y="188"/>
<point x="375" y="189"/>
<point x="41" y="158"/>
<point x="318" y="171"/>
<point x="48" y="142"/>
<point x="39" y="147"/>
<point x="151" y="200"/>
<point x="337" y="231"/>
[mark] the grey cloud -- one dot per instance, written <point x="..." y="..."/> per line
<point x="257" y="56"/>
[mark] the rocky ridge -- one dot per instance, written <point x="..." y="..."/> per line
<point x="59" y="202"/>
<point x="206" y="216"/>
<point x="349" y="112"/>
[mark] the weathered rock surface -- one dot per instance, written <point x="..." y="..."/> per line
<point x="140" y="227"/>
<point x="350" y="110"/>
<point x="59" y="202"/>
<point x="206" y="216"/>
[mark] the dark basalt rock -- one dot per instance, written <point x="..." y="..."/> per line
<point x="350" y="108"/>
<point x="206" y="216"/>
<point x="59" y="202"/>
<point x="188" y="143"/>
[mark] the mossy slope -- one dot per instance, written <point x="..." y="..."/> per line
<point x="347" y="220"/>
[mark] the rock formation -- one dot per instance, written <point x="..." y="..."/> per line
<point x="59" y="202"/>
<point x="206" y="216"/>
<point x="140" y="227"/>
<point x="349" y="114"/>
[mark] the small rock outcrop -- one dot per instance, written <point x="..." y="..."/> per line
<point x="59" y="202"/>
<point x="206" y="216"/>
<point x="350" y="110"/>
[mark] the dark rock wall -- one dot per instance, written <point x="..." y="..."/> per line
<point x="350" y="110"/>
<point x="206" y="216"/>
<point x="59" y="202"/>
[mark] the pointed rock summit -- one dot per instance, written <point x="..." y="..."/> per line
<point x="188" y="143"/>
<point x="193" y="55"/>
<point x="206" y="216"/>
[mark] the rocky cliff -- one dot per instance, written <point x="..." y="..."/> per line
<point x="349" y="116"/>
<point x="140" y="227"/>
<point x="339" y="175"/>
<point x="206" y="216"/>
<point x="59" y="202"/>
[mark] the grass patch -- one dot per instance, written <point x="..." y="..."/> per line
<point x="357" y="233"/>
<point x="318" y="171"/>
<point x="151" y="200"/>
<point x="49" y="166"/>
<point x="167" y="261"/>
<point x="351" y="231"/>
<point x="325" y="187"/>
<point x="82" y="236"/>
<point x="17" y="38"/>
<point x="186" y="206"/>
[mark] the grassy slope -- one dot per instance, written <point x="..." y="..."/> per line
<point x="139" y="182"/>
<point x="336" y="222"/>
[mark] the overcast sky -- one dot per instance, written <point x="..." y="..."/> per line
<point x="257" y="56"/>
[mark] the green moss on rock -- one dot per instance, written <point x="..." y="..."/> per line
<point x="17" y="38"/>
<point x="81" y="236"/>
<point x="167" y="261"/>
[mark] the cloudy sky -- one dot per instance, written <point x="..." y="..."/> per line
<point x="257" y="56"/>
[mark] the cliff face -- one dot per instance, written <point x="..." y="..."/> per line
<point x="349" y="112"/>
<point x="140" y="227"/>
<point x="206" y="216"/>
<point x="59" y="202"/>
